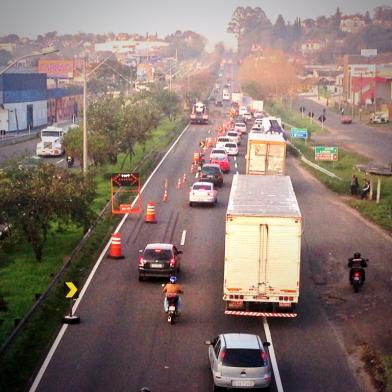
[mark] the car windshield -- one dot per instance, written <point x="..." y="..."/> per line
<point x="157" y="254"/>
<point x="205" y="187"/>
<point x="210" y="170"/>
<point x="218" y="158"/>
<point x="244" y="358"/>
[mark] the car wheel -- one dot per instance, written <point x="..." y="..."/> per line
<point x="141" y="278"/>
<point x="216" y="201"/>
<point x="215" y="388"/>
<point x="190" y="204"/>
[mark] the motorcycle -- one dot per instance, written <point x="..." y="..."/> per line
<point x="357" y="278"/>
<point x="172" y="312"/>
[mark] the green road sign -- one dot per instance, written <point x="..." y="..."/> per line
<point x="322" y="153"/>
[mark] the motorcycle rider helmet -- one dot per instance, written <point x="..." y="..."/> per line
<point x="173" y="279"/>
<point x="357" y="255"/>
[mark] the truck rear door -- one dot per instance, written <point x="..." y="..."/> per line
<point x="257" y="158"/>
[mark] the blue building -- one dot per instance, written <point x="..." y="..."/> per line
<point x="23" y="101"/>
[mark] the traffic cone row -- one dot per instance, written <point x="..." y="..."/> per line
<point x="165" y="195"/>
<point x="184" y="178"/>
<point x="179" y="183"/>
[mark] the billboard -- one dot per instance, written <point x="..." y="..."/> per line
<point x="363" y="70"/>
<point x="63" y="69"/>
<point x="368" y="52"/>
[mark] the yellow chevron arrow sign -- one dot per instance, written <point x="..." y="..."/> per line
<point x="72" y="289"/>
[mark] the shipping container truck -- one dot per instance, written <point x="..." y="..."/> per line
<point x="257" y="105"/>
<point x="262" y="247"/>
<point x="265" y="154"/>
<point x="236" y="97"/>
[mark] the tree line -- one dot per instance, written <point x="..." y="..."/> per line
<point x="36" y="198"/>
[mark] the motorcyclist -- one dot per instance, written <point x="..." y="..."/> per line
<point x="172" y="289"/>
<point x="356" y="263"/>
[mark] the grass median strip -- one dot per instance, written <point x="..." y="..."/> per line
<point x="23" y="279"/>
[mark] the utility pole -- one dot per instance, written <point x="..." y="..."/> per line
<point x="85" y="163"/>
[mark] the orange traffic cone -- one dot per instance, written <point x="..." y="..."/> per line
<point x="115" y="247"/>
<point x="179" y="183"/>
<point x="165" y="195"/>
<point x="150" y="213"/>
<point x="184" y="178"/>
<point x="192" y="168"/>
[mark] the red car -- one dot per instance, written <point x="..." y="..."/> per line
<point x="223" y="162"/>
<point x="346" y="120"/>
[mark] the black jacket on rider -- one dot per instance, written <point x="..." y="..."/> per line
<point x="357" y="263"/>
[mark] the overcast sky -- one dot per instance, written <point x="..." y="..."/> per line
<point x="28" y="18"/>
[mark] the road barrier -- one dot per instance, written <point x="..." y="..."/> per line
<point x="150" y="213"/>
<point x="115" y="247"/>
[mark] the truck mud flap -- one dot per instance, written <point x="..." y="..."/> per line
<point x="259" y="314"/>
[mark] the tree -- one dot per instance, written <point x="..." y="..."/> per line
<point x="271" y="75"/>
<point x="249" y="25"/>
<point x="185" y="45"/>
<point x="34" y="198"/>
<point x="5" y="57"/>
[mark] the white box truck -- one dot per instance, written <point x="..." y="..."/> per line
<point x="265" y="154"/>
<point x="262" y="247"/>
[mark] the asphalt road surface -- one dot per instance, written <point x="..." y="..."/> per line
<point x="372" y="142"/>
<point x="124" y="341"/>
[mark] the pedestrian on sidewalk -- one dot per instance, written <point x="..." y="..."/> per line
<point x="354" y="186"/>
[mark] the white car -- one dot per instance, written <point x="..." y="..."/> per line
<point x="222" y="140"/>
<point x="203" y="192"/>
<point x="218" y="150"/>
<point x="258" y="114"/>
<point x="259" y="120"/>
<point x="242" y="110"/>
<point x="240" y="127"/>
<point x="235" y="135"/>
<point x="231" y="148"/>
<point x="257" y="127"/>
<point x="247" y="116"/>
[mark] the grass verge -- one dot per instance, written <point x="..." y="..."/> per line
<point x="380" y="213"/>
<point x="22" y="277"/>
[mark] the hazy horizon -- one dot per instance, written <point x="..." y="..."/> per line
<point x="208" y="18"/>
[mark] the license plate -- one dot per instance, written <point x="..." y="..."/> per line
<point x="156" y="266"/>
<point x="172" y="308"/>
<point x="242" y="383"/>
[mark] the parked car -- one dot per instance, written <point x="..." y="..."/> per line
<point x="259" y="114"/>
<point x="231" y="148"/>
<point x="346" y="119"/>
<point x="219" y="103"/>
<point x="211" y="172"/>
<point x="379" y="118"/>
<point x="203" y="192"/>
<point x="223" y="162"/>
<point x="159" y="260"/>
<point x="238" y="361"/>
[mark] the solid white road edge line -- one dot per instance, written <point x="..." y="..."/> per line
<point x="44" y="366"/>
<point x="61" y="160"/>
<point x="271" y="350"/>
<point x="183" y="238"/>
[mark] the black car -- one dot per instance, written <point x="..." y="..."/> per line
<point x="211" y="172"/>
<point x="159" y="260"/>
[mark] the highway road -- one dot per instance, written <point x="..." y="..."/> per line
<point x="124" y="341"/>
<point x="372" y="142"/>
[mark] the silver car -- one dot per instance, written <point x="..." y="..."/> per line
<point x="238" y="361"/>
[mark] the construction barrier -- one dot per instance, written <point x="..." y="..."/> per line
<point x="115" y="247"/>
<point x="150" y="213"/>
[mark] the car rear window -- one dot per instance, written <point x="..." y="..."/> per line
<point x="246" y="358"/>
<point x="235" y="134"/>
<point x="210" y="170"/>
<point x="231" y="145"/>
<point x="223" y="139"/>
<point x="240" y="125"/>
<point x="157" y="254"/>
<point x="205" y="187"/>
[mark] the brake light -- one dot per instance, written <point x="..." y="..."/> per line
<point x="222" y="355"/>
<point x="141" y="262"/>
<point x="172" y="262"/>
<point x="357" y="273"/>
<point x="264" y="357"/>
